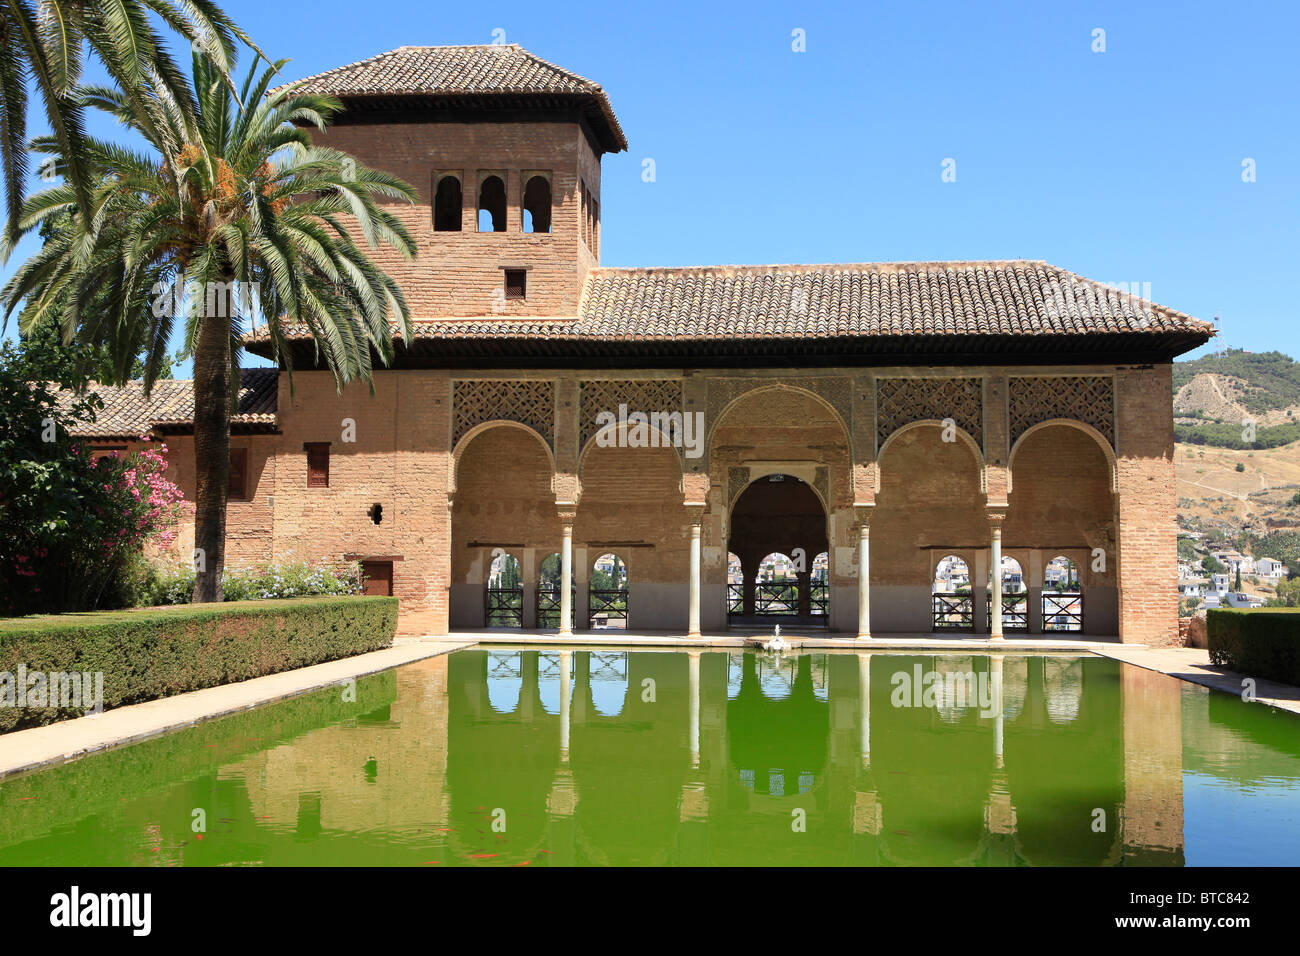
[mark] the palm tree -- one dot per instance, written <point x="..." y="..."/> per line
<point x="247" y="217"/>
<point x="43" y="40"/>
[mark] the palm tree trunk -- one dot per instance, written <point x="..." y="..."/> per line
<point x="212" y="443"/>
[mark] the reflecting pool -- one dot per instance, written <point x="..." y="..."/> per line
<point x="599" y="757"/>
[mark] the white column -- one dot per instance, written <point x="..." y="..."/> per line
<point x="566" y="581"/>
<point x="995" y="704"/>
<point x="995" y="596"/>
<point x="693" y="624"/>
<point x="864" y="575"/>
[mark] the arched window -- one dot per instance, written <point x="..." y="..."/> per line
<point x="492" y="205"/>
<point x="950" y="596"/>
<point x="537" y="204"/>
<point x="777" y="587"/>
<point x="1062" y="596"/>
<point x="447" y="204"/>
<point x="1015" y="596"/>
<point x="548" y="593"/>
<point x="607" y="595"/>
<point x="505" y="593"/>
<point x="820" y="585"/>
<point x="735" y="585"/>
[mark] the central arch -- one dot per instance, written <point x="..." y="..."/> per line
<point x="778" y="530"/>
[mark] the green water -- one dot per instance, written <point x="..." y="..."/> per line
<point x="534" y="758"/>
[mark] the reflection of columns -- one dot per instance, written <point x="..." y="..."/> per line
<point x="566" y="577"/>
<point x="864" y="573"/>
<point x="566" y="665"/>
<point x="995" y="596"/>
<point x="693" y="684"/>
<point x="995" y="704"/>
<point x="693" y="617"/>
<point x="864" y="706"/>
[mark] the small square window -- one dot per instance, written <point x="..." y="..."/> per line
<point x="516" y="284"/>
<point x="318" y="464"/>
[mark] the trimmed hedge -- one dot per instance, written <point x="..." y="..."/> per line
<point x="156" y="652"/>
<point x="1262" y="643"/>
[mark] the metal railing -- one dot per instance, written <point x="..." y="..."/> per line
<point x="1015" y="611"/>
<point x="952" y="612"/>
<point x="504" y="607"/>
<point x="548" y="607"/>
<point x="735" y="598"/>
<point x="607" y="607"/>
<point x="1062" y="611"/>
<point x="779" y="598"/>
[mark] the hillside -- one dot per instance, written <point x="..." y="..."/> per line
<point x="1217" y="395"/>
<point x="1228" y="485"/>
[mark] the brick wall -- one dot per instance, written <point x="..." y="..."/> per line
<point x="460" y="273"/>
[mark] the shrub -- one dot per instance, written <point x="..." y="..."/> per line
<point x="1261" y="643"/>
<point x="266" y="582"/>
<point x="74" y="525"/>
<point x="146" y="654"/>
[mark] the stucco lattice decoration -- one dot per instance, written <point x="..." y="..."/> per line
<point x="901" y="401"/>
<point x="479" y="401"/>
<point x="639" y="395"/>
<point x="1085" y="398"/>
<point x="737" y="481"/>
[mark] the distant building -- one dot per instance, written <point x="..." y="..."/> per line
<point x="1270" y="568"/>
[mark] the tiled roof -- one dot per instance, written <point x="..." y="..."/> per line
<point x="495" y="71"/>
<point x="127" y="413"/>
<point x="793" y="304"/>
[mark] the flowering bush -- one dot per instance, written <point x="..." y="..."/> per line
<point x="292" y="579"/>
<point x="72" y="528"/>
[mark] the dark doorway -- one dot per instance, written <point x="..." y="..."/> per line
<point x="778" y="535"/>
<point x="378" y="577"/>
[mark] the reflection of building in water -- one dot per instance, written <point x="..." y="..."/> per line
<point x="702" y="757"/>
<point x="1153" y="768"/>
<point x="386" y="771"/>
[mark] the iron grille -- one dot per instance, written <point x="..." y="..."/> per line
<point x="504" y="607"/>
<point x="1062" y="611"/>
<point x="953" y="612"/>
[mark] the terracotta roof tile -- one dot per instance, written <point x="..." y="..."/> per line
<point x="788" y="302"/>
<point x="127" y="413"/>
<point x="478" y="73"/>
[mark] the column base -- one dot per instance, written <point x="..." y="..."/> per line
<point x="694" y="635"/>
<point x="995" y="637"/>
<point x="563" y="633"/>
<point x="863" y="636"/>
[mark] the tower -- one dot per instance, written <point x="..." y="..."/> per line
<point x="504" y="149"/>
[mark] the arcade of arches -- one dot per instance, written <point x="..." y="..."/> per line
<point x="859" y="502"/>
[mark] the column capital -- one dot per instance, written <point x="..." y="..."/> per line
<point x="863" y="511"/>
<point x="567" y="514"/>
<point x="696" y="513"/>
<point x="996" y="518"/>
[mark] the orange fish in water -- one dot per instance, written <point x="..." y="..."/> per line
<point x="481" y="856"/>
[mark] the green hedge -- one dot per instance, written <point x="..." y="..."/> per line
<point x="157" y="652"/>
<point x="1259" y="643"/>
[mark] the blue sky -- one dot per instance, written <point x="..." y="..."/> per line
<point x="1125" y="166"/>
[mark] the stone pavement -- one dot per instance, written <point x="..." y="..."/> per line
<point x="1193" y="664"/>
